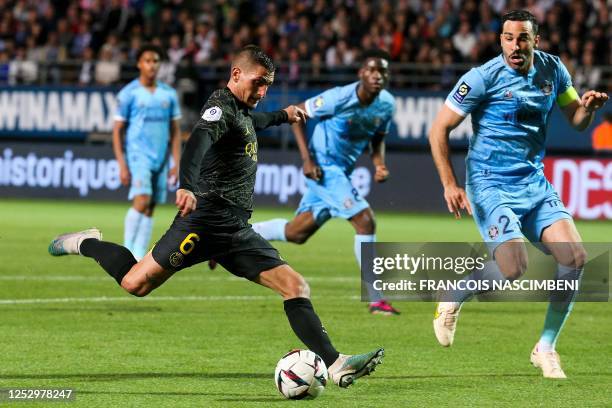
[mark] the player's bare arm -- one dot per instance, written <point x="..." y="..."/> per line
<point x="378" y="158"/>
<point x="175" y="145"/>
<point x="580" y="112"/>
<point x="118" y="136"/>
<point x="311" y="169"/>
<point x="445" y="122"/>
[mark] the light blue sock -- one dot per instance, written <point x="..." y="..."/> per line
<point x="272" y="230"/>
<point x="131" y="225"/>
<point x="141" y="242"/>
<point x="368" y="276"/>
<point x="489" y="273"/>
<point x="559" y="308"/>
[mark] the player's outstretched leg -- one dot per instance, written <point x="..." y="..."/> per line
<point x="343" y="369"/>
<point x="137" y="278"/>
<point x="510" y="263"/>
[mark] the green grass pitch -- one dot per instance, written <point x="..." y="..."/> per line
<point x="208" y="339"/>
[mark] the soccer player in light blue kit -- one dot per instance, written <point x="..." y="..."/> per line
<point x="352" y="118"/>
<point x="150" y="111"/>
<point x="510" y="98"/>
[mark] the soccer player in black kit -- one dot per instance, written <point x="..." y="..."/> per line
<point x="215" y="200"/>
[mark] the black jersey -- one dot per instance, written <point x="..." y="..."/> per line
<point x="220" y="158"/>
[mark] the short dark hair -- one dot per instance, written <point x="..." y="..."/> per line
<point x="152" y="48"/>
<point x="255" y="54"/>
<point x="375" y="53"/>
<point x="521" y="15"/>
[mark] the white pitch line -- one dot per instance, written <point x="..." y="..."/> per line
<point x="150" y="299"/>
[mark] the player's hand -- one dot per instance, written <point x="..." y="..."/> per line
<point x="312" y="170"/>
<point x="185" y="201"/>
<point x="124" y="174"/>
<point x="295" y="114"/>
<point x="456" y="200"/>
<point x="593" y="100"/>
<point x="382" y="174"/>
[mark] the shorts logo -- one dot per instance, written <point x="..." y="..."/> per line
<point x="462" y="92"/>
<point x="348" y="203"/>
<point x="212" y="114"/>
<point x="493" y="231"/>
<point x="176" y="259"/>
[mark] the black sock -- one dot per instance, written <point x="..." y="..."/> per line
<point x="115" y="259"/>
<point x="307" y="326"/>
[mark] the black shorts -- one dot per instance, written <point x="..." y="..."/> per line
<point x="220" y="232"/>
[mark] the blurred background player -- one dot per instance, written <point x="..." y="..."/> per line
<point x="148" y="113"/>
<point x="510" y="98"/>
<point x="352" y="118"/>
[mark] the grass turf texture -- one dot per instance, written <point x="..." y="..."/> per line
<point x="181" y="346"/>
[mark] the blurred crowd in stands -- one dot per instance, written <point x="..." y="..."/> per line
<point x="309" y="38"/>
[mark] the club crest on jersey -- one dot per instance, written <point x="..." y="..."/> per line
<point x="176" y="259"/>
<point x="546" y="88"/>
<point x="508" y="94"/>
<point x="348" y="203"/>
<point x="250" y="149"/>
<point x="212" y="114"/>
<point x="462" y="92"/>
<point x="165" y="104"/>
<point x="493" y="231"/>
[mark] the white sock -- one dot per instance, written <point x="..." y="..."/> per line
<point x="131" y="225"/>
<point x="141" y="242"/>
<point x="368" y="276"/>
<point x="272" y="230"/>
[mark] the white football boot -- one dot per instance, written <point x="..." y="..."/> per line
<point x="346" y="369"/>
<point x="69" y="244"/>
<point x="445" y="322"/>
<point x="549" y="362"/>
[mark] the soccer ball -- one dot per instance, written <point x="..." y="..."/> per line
<point x="300" y="374"/>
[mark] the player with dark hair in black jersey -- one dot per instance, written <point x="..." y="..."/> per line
<point x="215" y="200"/>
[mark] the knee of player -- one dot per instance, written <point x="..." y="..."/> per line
<point x="297" y="287"/>
<point x="516" y="270"/>
<point x="134" y="287"/>
<point x="297" y="237"/>
<point x="579" y="257"/>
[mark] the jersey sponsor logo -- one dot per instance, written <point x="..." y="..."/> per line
<point x="176" y="259"/>
<point x="212" y="114"/>
<point x="493" y="231"/>
<point x="462" y="92"/>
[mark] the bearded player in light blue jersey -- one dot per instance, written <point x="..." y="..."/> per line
<point x="352" y="118"/>
<point x="148" y="113"/>
<point x="510" y="99"/>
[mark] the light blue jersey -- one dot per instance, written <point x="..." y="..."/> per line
<point x="148" y="116"/>
<point x="509" y="117"/>
<point x="346" y="127"/>
<point x="509" y="194"/>
<point x="344" y="131"/>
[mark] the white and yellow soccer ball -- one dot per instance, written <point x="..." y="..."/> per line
<point x="300" y="374"/>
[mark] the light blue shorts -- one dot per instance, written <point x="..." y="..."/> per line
<point x="332" y="196"/>
<point x="504" y="212"/>
<point x="147" y="180"/>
